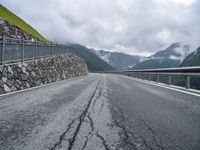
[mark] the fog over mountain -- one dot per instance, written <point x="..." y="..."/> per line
<point x="120" y="61"/>
<point x="131" y="26"/>
<point x="172" y="56"/>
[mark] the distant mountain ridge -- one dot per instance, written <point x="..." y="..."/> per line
<point x="120" y="61"/>
<point x="172" y="56"/>
<point x="94" y="62"/>
<point x="192" y="60"/>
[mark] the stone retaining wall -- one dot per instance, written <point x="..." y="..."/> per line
<point x="12" y="31"/>
<point x="32" y="73"/>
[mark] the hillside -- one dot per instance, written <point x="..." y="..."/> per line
<point x="10" y="17"/>
<point x="120" y="61"/>
<point x="12" y="26"/>
<point x="168" y="58"/>
<point x="192" y="60"/>
<point x="94" y="63"/>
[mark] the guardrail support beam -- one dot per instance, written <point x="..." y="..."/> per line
<point x="23" y="50"/>
<point x="170" y="80"/>
<point x="35" y="49"/>
<point x="51" y="49"/>
<point x="187" y="82"/>
<point x="158" y="78"/>
<point x="44" y="51"/>
<point x="149" y="77"/>
<point x="3" y="51"/>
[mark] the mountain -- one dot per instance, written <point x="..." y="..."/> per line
<point x="168" y="58"/>
<point x="7" y="18"/>
<point x="94" y="62"/>
<point x="120" y="61"/>
<point x="192" y="60"/>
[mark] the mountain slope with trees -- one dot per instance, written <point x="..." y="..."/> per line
<point x="94" y="63"/>
<point x="192" y="60"/>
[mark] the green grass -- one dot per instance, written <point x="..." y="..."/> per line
<point x="15" y="20"/>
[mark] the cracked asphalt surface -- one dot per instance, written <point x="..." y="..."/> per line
<point x="100" y="112"/>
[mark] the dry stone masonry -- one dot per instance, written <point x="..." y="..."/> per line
<point x="32" y="73"/>
<point x="12" y="31"/>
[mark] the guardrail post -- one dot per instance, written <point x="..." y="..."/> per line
<point x="149" y="77"/>
<point x="187" y="82"/>
<point x="51" y="49"/>
<point x="158" y="78"/>
<point x="23" y="50"/>
<point x="3" y="51"/>
<point x="35" y="49"/>
<point x="170" y="80"/>
<point x="44" y="50"/>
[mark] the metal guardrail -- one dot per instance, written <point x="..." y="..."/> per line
<point x="148" y="74"/>
<point x="186" y="72"/>
<point x="15" y="50"/>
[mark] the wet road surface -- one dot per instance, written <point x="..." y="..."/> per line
<point x="100" y="112"/>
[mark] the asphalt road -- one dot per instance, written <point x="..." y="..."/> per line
<point x="100" y="112"/>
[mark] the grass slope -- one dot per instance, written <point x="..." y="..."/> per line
<point x="15" y="20"/>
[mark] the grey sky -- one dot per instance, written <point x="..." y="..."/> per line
<point x="131" y="26"/>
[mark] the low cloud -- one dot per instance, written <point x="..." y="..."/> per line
<point x="131" y="26"/>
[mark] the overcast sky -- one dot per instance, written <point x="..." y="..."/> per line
<point x="131" y="26"/>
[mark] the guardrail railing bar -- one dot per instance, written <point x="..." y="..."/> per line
<point x="186" y="72"/>
<point x="176" y="74"/>
<point x="22" y="53"/>
<point x="157" y="79"/>
<point x="170" y="80"/>
<point x="3" y="50"/>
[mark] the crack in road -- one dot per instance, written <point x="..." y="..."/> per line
<point x="103" y="141"/>
<point x="85" y="144"/>
<point x="95" y="100"/>
<point x="126" y="140"/>
<point x="91" y="122"/>
<point x="125" y="132"/>
<point x="80" y="119"/>
<point x="102" y="105"/>
<point x="62" y="136"/>
<point x="158" y="143"/>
